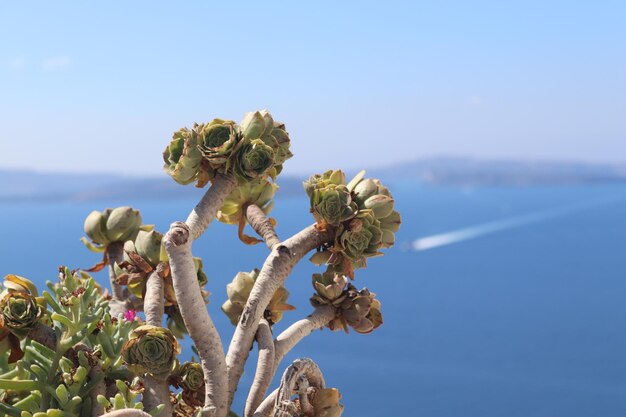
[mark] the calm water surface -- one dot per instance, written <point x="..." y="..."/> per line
<point x="527" y="321"/>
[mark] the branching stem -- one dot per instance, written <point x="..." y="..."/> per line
<point x="156" y="390"/>
<point x="264" y="369"/>
<point x="199" y="324"/>
<point x="275" y="270"/>
<point x="299" y="330"/>
<point x="262" y="225"/>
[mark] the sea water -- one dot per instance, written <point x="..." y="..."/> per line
<point x="528" y="319"/>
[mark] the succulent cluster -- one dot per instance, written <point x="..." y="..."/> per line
<point x="255" y="148"/>
<point x="354" y="308"/>
<point x="142" y="257"/>
<point x="111" y="225"/>
<point x="259" y="192"/>
<point x="190" y="378"/>
<point x="68" y="344"/>
<point x="20" y="312"/>
<point x="362" y="211"/>
<point x="151" y="349"/>
<point x="64" y="355"/>
<point x="239" y="291"/>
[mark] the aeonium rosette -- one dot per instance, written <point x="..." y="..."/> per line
<point x="20" y="312"/>
<point x="183" y="159"/>
<point x="362" y="212"/>
<point x="190" y="377"/>
<point x="255" y="149"/>
<point x="150" y="349"/>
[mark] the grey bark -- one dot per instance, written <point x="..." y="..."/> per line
<point x="304" y="367"/>
<point x="204" y="212"/>
<point x="199" y="324"/>
<point x="119" y="295"/>
<point x="299" y="330"/>
<point x="262" y="225"/>
<point x="264" y="369"/>
<point x="275" y="270"/>
<point x="45" y="335"/>
<point x="156" y="389"/>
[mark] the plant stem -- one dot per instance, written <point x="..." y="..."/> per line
<point x="115" y="254"/>
<point x="204" y="212"/>
<point x="275" y="270"/>
<point x="299" y="330"/>
<point x="156" y="390"/>
<point x="304" y="367"/>
<point x="264" y="369"/>
<point x="262" y="225"/>
<point x="196" y="317"/>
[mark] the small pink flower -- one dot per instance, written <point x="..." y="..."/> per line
<point x="130" y="315"/>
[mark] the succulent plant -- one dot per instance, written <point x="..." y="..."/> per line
<point x="19" y="312"/>
<point x="259" y="192"/>
<point x="233" y="211"/>
<point x="75" y="336"/>
<point x="360" y="238"/>
<point x="217" y="141"/>
<point x="325" y="403"/>
<point x="190" y="377"/>
<point x="357" y="309"/>
<point x="261" y="125"/>
<point x="329" y="288"/>
<point x="183" y="159"/>
<point x="372" y="194"/>
<point x="142" y="258"/>
<point x="17" y="283"/>
<point x="331" y="177"/>
<point x="389" y="226"/>
<point x="363" y="313"/>
<point x="150" y="349"/>
<point x="239" y="291"/>
<point x="149" y="246"/>
<point x="64" y="355"/>
<point x="111" y="225"/>
<point x="253" y="160"/>
<point x="332" y="204"/>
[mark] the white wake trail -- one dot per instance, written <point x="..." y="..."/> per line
<point x="473" y="232"/>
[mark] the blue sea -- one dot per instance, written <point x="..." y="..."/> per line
<point x="518" y="311"/>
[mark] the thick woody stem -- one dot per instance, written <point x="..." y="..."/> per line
<point x="199" y="324"/>
<point x="267" y="405"/>
<point x="156" y="390"/>
<point x="100" y="389"/>
<point x="119" y="295"/>
<point x="127" y="412"/>
<point x="299" y="330"/>
<point x="45" y="335"/>
<point x="153" y="305"/>
<point x="264" y="368"/>
<point x="262" y="225"/>
<point x="303" y="394"/>
<point x="204" y="212"/>
<point x="304" y="367"/>
<point x="275" y="270"/>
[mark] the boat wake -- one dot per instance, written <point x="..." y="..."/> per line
<point x="473" y="232"/>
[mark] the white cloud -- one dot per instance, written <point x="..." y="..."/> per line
<point x="17" y="63"/>
<point x="55" y="63"/>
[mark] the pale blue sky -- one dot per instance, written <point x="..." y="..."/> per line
<point x="358" y="83"/>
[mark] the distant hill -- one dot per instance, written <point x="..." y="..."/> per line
<point x="20" y="185"/>
<point x="29" y="185"/>
<point x="469" y="171"/>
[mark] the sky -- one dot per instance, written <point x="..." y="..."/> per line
<point x="88" y="86"/>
